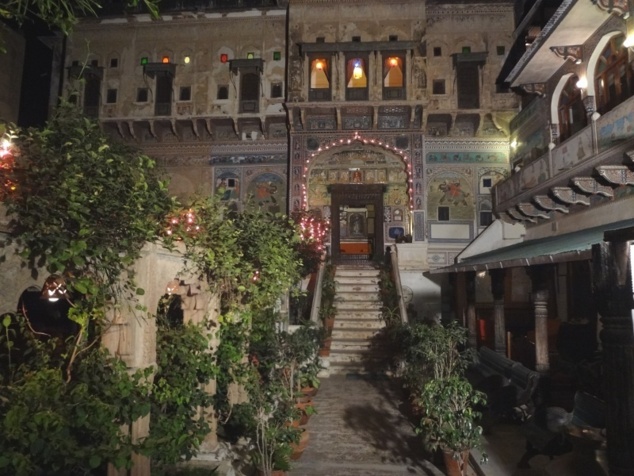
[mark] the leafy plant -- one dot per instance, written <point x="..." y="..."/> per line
<point x="449" y="421"/>
<point x="57" y="427"/>
<point x="179" y="398"/>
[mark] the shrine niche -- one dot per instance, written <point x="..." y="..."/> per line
<point x="268" y="190"/>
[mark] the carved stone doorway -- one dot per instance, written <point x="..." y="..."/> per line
<point x="357" y="223"/>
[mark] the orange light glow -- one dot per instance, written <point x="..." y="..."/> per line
<point x="166" y="59"/>
<point x="393" y="61"/>
<point x="319" y="65"/>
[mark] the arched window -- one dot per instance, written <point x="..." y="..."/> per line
<point x="613" y="76"/>
<point x="572" y="113"/>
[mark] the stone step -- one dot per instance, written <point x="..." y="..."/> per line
<point x="342" y="280"/>
<point x="357" y="287"/>
<point x="352" y="333"/>
<point x="357" y="273"/>
<point x="343" y="306"/>
<point x="354" y="314"/>
<point x="355" y="345"/>
<point x="347" y="323"/>
<point x="357" y="296"/>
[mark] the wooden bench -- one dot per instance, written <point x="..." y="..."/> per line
<point x="508" y="385"/>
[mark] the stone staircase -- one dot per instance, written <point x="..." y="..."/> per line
<point x="358" y="320"/>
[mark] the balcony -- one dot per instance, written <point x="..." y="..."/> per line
<point x="604" y="143"/>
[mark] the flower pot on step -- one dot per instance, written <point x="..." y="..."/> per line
<point x="300" y="447"/>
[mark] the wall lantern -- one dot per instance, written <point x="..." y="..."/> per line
<point x="54" y="288"/>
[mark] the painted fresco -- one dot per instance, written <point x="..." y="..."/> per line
<point x="268" y="190"/>
<point x="534" y="174"/>
<point x="357" y="166"/>
<point x="576" y="149"/>
<point x="453" y="191"/>
<point x="467" y="157"/>
<point x="616" y="125"/>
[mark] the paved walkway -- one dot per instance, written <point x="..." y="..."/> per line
<point x="360" y="430"/>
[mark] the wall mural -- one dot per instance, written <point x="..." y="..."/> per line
<point x="357" y="166"/>
<point x="268" y="190"/>
<point x="453" y="191"/>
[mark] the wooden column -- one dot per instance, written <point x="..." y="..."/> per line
<point x="613" y="293"/>
<point x="540" y="278"/>
<point x="471" y="314"/>
<point x="499" y="324"/>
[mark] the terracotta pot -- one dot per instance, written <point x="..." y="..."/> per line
<point x="308" y="391"/>
<point x="329" y="322"/>
<point x="456" y="467"/>
<point x="299" y="448"/>
<point x="301" y="405"/>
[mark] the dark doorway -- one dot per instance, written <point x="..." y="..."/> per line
<point x="357" y="223"/>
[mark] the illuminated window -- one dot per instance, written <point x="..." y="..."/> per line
<point x="187" y="59"/>
<point x="144" y="61"/>
<point x="356" y="78"/>
<point x="393" y="78"/>
<point x="319" y="80"/>
<point x="224" y="57"/>
<point x="165" y="59"/>
<point x="250" y="56"/>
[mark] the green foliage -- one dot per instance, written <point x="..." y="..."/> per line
<point x="84" y="205"/>
<point x="328" y="292"/>
<point x="61" y="14"/>
<point x="389" y="298"/>
<point x="55" y="427"/>
<point x="248" y="257"/>
<point x="185" y="367"/>
<point x="449" y="420"/>
<point x="430" y="351"/>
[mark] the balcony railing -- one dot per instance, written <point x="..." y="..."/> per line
<point x="612" y="129"/>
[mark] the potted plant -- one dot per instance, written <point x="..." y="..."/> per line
<point x="449" y="421"/>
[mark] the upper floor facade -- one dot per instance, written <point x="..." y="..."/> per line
<point x="572" y="142"/>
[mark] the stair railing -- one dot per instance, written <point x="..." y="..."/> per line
<point x="316" y="304"/>
<point x="396" y="279"/>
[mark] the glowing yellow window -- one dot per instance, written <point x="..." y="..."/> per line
<point x="319" y="74"/>
<point x="393" y="68"/>
<point x="357" y="77"/>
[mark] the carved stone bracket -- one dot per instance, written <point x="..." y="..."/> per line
<point x="517" y="216"/>
<point x="531" y="211"/>
<point x="590" y="186"/>
<point x="535" y="88"/>
<point x="616" y="174"/>
<point x="546" y="203"/>
<point x="590" y="104"/>
<point x="573" y="52"/>
<point x="629" y="156"/>
<point x="619" y="7"/>
<point x="569" y="196"/>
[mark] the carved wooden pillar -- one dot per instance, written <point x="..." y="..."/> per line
<point x="499" y="324"/>
<point x="471" y="314"/>
<point x="613" y="294"/>
<point x="540" y="278"/>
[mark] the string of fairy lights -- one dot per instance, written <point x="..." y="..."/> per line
<point x="366" y="141"/>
